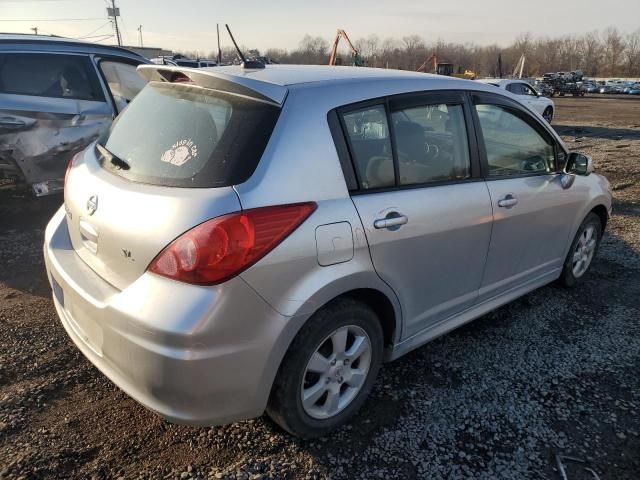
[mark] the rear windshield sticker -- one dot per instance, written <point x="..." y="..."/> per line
<point x="180" y="152"/>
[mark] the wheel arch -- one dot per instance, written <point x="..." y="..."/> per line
<point x="602" y="212"/>
<point x="378" y="296"/>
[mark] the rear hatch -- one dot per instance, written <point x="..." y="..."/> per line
<point x="167" y="164"/>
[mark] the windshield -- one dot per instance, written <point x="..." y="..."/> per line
<point x="186" y="136"/>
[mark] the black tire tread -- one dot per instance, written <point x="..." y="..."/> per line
<point x="284" y="407"/>
<point x="566" y="277"/>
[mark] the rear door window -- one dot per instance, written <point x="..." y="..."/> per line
<point x="123" y="80"/>
<point x="370" y="145"/>
<point x="431" y="143"/>
<point x="49" y="75"/>
<point x="183" y="135"/>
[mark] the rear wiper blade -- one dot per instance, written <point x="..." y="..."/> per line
<point x="115" y="160"/>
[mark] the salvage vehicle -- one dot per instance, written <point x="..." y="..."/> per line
<point x="243" y="240"/>
<point x="526" y="94"/>
<point x="57" y="95"/>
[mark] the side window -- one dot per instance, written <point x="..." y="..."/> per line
<point x="123" y="80"/>
<point x="431" y="144"/>
<point x="515" y="88"/>
<point x="513" y="146"/>
<point x="527" y="90"/>
<point x="368" y="133"/>
<point x="49" y="75"/>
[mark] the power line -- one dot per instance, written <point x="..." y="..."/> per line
<point x="49" y="19"/>
<point x="102" y="37"/>
<point x="94" y="31"/>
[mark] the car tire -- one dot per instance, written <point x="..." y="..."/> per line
<point x="548" y="114"/>
<point x="571" y="275"/>
<point x="286" y="406"/>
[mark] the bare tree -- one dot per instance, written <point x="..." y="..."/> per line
<point x="592" y="53"/>
<point x="413" y="50"/>
<point x="613" y="46"/>
<point x="632" y="53"/>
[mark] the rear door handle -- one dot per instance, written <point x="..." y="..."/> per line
<point x="11" y="122"/>
<point x="508" y="201"/>
<point x="393" y="219"/>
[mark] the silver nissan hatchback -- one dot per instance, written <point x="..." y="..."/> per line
<point x="244" y="240"/>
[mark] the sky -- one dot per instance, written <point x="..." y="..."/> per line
<point x="191" y="24"/>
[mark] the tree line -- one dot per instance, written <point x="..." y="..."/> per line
<point x="609" y="53"/>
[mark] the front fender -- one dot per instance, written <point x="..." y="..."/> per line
<point x="599" y="193"/>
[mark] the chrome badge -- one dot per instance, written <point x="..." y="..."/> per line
<point x="92" y="204"/>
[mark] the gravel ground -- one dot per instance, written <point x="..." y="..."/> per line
<point x="554" y="373"/>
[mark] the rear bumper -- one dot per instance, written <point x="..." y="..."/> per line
<point x="195" y="355"/>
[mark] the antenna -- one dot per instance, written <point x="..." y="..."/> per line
<point x="245" y="63"/>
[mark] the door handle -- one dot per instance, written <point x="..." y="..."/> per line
<point x="11" y="122"/>
<point x="393" y="219"/>
<point x="508" y="201"/>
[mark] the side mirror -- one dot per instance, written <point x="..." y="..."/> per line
<point x="579" y="164"/>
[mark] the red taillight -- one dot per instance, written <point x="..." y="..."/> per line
<point x="222" y="247"/>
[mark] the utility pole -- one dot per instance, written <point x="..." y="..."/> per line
<point x="115" y="13"/>
<point x="140" y="32"/>
<point x="35" y="30"/>
<point x="219" y="51"/>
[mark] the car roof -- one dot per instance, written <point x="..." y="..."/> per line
<point x="272" y="82"/>
<point x="44" y="43"/>
<point x="296" y="74"/>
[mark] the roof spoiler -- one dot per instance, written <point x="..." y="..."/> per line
<point x="240" y="84"/>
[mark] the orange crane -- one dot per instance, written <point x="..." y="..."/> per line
<point x="357" y="62"/>
<point x="433" y="60"/>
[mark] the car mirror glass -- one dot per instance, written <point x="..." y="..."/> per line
<point x="579" y="164"/>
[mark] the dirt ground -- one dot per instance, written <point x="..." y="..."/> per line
<point x="554" y="373"/>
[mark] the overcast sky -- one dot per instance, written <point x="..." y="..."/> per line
<point x="191" y="24"/>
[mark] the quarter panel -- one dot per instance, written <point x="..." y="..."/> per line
<point x="303" y="285"/>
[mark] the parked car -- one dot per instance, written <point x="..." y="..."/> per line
<point x="544" y="88"/>
<point x="591" y="87"/>
<point x="186" y="62"/>
<point x="606" y="89"/>
<point x="635" y="89"/>
<point x="264" y="239"/>
<point x="57" y="95"/>
<point x="526" y="94"/>
<point x="164" y="61"/>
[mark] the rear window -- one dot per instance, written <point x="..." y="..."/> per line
<point x="182" y="135"/>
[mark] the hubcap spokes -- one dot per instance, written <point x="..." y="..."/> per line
<point x="584" y="251"/>
<point x="336" y="372"/>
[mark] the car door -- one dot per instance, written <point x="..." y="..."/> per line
<point x="425" y="210"/>
<point x="532" y="212"/>
<point x="51" y="107"/>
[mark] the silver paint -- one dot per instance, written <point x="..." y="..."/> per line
<point x="209" y="354"/>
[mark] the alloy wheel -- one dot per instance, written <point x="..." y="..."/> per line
<point x="336" y="372"/>
<point x="584" y="251"/>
